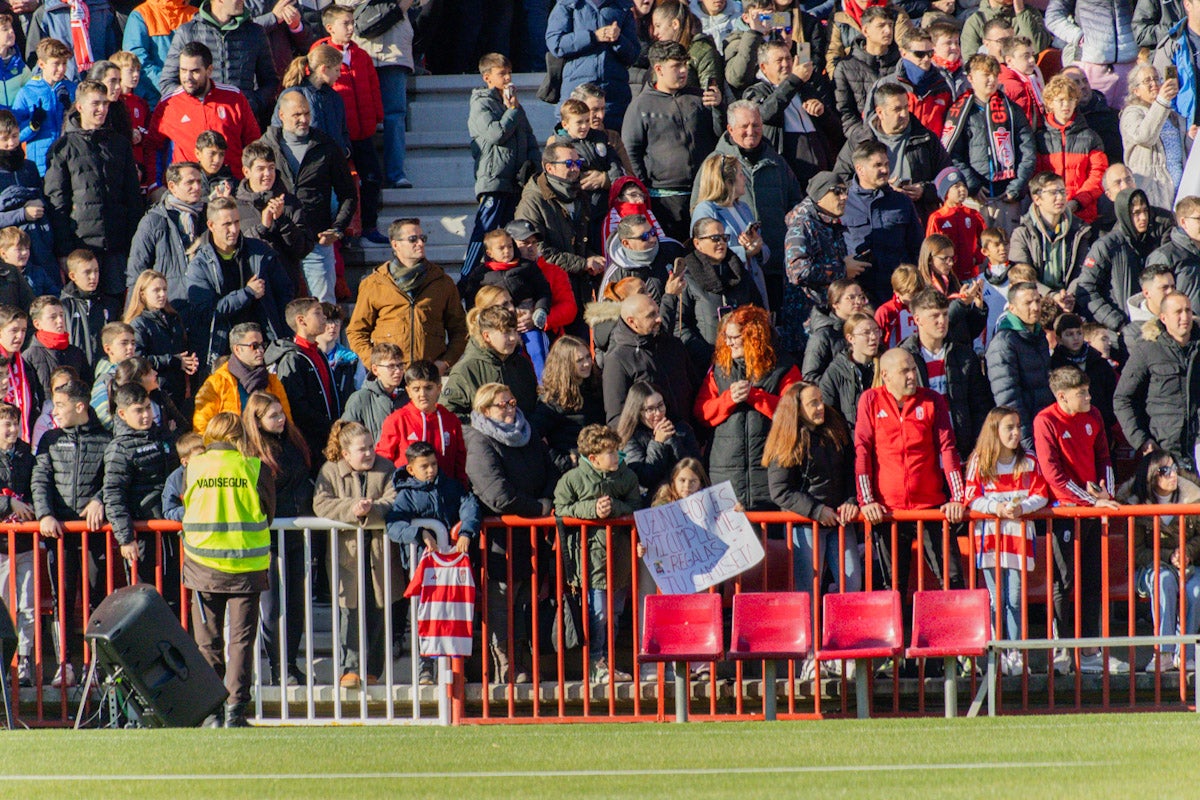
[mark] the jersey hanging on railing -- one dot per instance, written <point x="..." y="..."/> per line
<point x="445" y="588"/>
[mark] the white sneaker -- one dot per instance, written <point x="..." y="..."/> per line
<point x="1014" y="663"/>
<point x="649" y="673"/>
<point x="1190" y="666"/>
<point x="1094" y="664"/>
<point x="808" y="670"/>
<point x="1063" y="662"/>
<point x="833" y="669"/>
<point x="64" y="677"/>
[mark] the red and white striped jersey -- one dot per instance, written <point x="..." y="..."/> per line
<point x="445" y="588"/>
<point x="1029" y="492"/>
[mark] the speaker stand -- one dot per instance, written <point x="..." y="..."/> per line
<point x="109" y="693"/>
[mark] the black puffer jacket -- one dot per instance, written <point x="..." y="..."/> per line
<point x="215" y="305"/>
<point x="241" y="57"/>
<point x="825" y="478"/>
<point x="92" y="194"/>
<point x="843" y="383"/>
<point x="1018" y="368"/>
<point x="668" y="136"/>
<point x="924" y="158"/>
<point x="371" y="405"/>
<point x="853" y="78"/>
<point x="740" y="438"/>
<point x="159" y="243"/>
<point x="312" y="410"/>
<point x="69" y="472"/>
<point x="136" y="465"/>
<point x="660" y="359"/>
<point x="1158" y="396"/>
<point x="44" y="361"/>
<point x="560" y="427"/>
<point x="825" y="341"/>
<point x="291" y="239"/>
<point x="160" y="339"/>
<point x="1182" y="255"/>
<point x="86" y="316"/>
<point x="711" y="290"/>
<point x="16" y="474"/>
<point x="323" y="171"/>
<point x="651" y="460"/>
<point x="967" y="390"/>
<point x="1115" y="262"/>
<point x="293" y="483"/>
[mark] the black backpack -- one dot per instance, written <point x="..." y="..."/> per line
<point x="376" y="17"/>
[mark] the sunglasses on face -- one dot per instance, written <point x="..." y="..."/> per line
<point x="1167" y="470"/>
<point x="571" y="163"/>
<point x="510" y="403"/>
<point x="922" y="53"/>
<point x="716" y="237"/>
<point x="645" y="237"/>
<point x="255" y="346"/>
<point x="424" y="237"/>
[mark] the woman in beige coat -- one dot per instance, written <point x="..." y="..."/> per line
<point x="1156" y="138"/>
<point x="355" y="487"/>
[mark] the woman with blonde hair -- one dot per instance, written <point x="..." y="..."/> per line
<point x="313" y="76"/>
<point x="160" y="334"/>
<point x="738" y="400"/>
<point x="1156" y="137"/>
<point x="721" y="197"/>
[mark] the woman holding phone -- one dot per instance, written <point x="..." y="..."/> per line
<point x="722" y="187"/>
<point x="1156" y="137"/>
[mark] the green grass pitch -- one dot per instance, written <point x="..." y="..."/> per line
<point x="1027" y="758"/>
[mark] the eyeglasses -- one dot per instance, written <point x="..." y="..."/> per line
<point x="716" y="237"/>
<point x="950" y="259"/>
<point x="390" y="366"/>
<point x="1167" y="470"/>
<point x="422" y="237"/>
<point x="1191" y="219"/>
<point x="654" y="409"/>
<point x="922" y="53"/>
<point x="646" y="236"/>
<point x="255" y="346"/>
<point x="872" y="334"/>
<point x="509" y="403"/>
<point x="571" y="163"/>
<point x="840" y="191"/>
<point x="1054" y="192"/>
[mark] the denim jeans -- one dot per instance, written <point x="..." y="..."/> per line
<point x="803" y="551"/>
<point x="1010" y="597"/>
<point x="598" y="619"/>
<point x="319" y="271"/>
<point x="393" y="84"/>
<point x="1166" y="610"/>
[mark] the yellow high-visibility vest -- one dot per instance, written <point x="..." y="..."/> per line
<point x="224" y="527"/>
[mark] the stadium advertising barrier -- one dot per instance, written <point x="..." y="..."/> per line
<point x="538" y="641"/>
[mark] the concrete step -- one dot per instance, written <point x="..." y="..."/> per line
<point x="421" y="86"/>
<point x="448" y="118"/>
<point x="442" y="170"/>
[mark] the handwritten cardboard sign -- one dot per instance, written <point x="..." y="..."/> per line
<point x="697" y="542"/>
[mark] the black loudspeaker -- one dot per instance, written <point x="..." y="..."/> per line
<point x="140" y="644"/>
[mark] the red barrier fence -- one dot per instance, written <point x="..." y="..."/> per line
<point x="530" y="579"/>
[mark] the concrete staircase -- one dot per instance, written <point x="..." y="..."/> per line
<point x="440" y="167"/>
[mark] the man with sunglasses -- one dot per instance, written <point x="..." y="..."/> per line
<point x="637" y="251"/>
<point x="243" y="374"/>
<point x="409" y="302"/>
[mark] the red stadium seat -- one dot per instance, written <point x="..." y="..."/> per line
<point x="861" y="626"/>
<point x="682" y="628"/>
<point x="947" y="624"/>
<point x="767" y="626"/>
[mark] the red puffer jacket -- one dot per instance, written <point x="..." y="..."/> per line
<point x="905" y="453"/>
<point x="1075" y="152"/>
<point x="358" y="87"/>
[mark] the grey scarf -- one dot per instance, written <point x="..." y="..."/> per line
<point x="641" y="258"/>
<point x="189" y="215"/>
<point x="564" y="190"/>
<point x="405" y="277"/>
<point x="514" y="435"/>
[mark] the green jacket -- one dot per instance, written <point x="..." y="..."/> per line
<point x="480" y="365"/>
<point x="1028" y="23"/>
<point x="575" y="496"/>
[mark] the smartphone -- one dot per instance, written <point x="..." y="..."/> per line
<point x="754" y="227"/>
<point x="863" y="255"/>
<point x="803" y="52"/>
<point x="712" y="84"/>
<point x="1171" y="73"/>
<point x="781" y="19"/>
<point x="509" y="92"/>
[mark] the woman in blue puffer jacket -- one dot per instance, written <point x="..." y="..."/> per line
<point x="579" y="32"/>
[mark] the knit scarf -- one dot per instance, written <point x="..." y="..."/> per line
<point x="514" y="435"/>
<point x="189" y="215"/>
<point x="252" y="379"/>
<point x="947" y="64"/>
<point x="81" y="42"/>
<point x="19" y="391"/>
<point x="1002" y="157"/>
<point x="406" y="278"/>
<point x="53" y="341"/>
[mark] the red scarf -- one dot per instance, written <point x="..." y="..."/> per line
<point x="81" y="42"/>
<point x="500" y="266"/>
<point x="946" y="63"/>
<point x="53" y="341"/>
<point x="315" y="355"/>
<point x="19" y="391"/>
<point x="855" y="13"/>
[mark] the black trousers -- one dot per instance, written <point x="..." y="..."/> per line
<point x="899" y="564"/>
<point x="1090" y="577"/>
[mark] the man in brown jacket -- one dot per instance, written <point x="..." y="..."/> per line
<point x="410" y="303"/>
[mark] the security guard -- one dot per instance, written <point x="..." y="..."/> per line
<point x="229" y="501"/>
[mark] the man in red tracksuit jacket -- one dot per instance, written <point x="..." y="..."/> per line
<point x="1072" y="450"/>
<point x="905" y="457"/>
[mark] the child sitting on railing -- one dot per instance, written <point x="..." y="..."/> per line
<point x="1005" y="482"/>
<point x="355" y="487"/>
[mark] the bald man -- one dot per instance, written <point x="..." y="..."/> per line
<point x="641" y="349"/>
<point x="313" y="168"/>
<point x="905" y="456"/>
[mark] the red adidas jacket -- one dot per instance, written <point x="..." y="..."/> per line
<point x="962" y="226"/>
<point x="139" y="117"/>
<point x="179" y="118"/>
<point x="895" y="321"/>
<point x="441" y="429"/>
<point x="905" y="454"/>
<point x="1076" y="153"/>
<point x="1072" y="450"/>
<point x="358" y="87"/>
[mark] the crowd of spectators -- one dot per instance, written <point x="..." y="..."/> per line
<point x="852" y="258"/>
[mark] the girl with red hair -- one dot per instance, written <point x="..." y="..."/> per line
<point x="738" y="400"/>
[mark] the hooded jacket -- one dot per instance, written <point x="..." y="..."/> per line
<point x="159" y="243"/>
<point x="1016" y="87"/>
<point x="1111" y="271"/>
<point x="1158" y="395"/>
<point x="1018" y="368"/>
<point x="825" y="341"/>
<point x="312" y="410"/>
<point x="1031" y="242"/>
<point x="711" y="290"/>
<point x="407" y="424"/>
<point x="69" y="470"/>
<point x="655" y="274"/>
<point x="443" y="499"/>
<point x="502" y="142"/>
<point x="222" y="392"/>
<point x="523" y="280"/>
<point x="853" y="78"/>
<point x="358" y="86"/>
<point x="241" y="56"/>
<point x="426" y="323"/>
<point x="1182" y="255"/>
<point x="136" y="464"/>
<point x="480" y="365"/>
<point x="814" y="258"/>
<point x="1074" y="152"/>
<point x="148" y="33"/>
<point x="371" y="405"/>
<point x="928" y="99"/>
<point x="659" y="358"/>
<point x="92" y="194"/>
<point x="563" y="233"/>
<point x="37" y="93"/>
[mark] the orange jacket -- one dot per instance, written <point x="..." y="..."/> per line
<point x="222" y="393"/>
